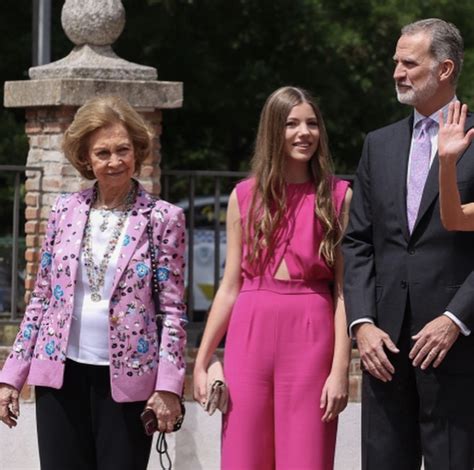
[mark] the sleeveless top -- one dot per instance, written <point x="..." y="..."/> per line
<point x="298" y="239"/>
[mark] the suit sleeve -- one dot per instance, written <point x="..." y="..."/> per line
<point x="358" y="248"/>
<point x="462" y="304"/>
<point x="171" y="264"/>
<point x="17" y="365"/>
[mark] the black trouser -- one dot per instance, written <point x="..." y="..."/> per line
<point x="80" y="426"/>
<point x="418" y="412"/>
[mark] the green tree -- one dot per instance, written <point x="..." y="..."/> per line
<point x="231" y="54"/>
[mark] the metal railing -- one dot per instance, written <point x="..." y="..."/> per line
<point x="18" y="173"/>
<point x="194" y="181"/>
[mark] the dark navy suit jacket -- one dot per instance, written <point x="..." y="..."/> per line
<point x="386" y="267"/>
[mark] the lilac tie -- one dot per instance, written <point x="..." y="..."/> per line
<point x="419" y="168"/>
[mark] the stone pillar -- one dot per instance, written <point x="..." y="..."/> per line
<point x="54" y="93"/>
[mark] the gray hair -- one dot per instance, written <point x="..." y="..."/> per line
<point x="446" y="41"/>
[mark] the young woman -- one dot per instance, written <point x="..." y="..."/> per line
<point x="280" y="300"/>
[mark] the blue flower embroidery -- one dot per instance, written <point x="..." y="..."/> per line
<point x="45" y="260"/>
<point x="49" y="348"/>
<point x="126" y="240"/>
<point x="58" y="292"/>
<point x="163" y="274"/>
<point x="143" y="346"/>
<point x="27" y="331"/>
<point x="142" y="270"/>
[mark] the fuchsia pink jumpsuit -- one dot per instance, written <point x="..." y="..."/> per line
<point x="279" y="348"/>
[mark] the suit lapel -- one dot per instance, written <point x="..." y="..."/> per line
<point x="397" y="162"/>
<point x="74" y="224"/>
<point x="137" y="223"/>
<point x="431" y="189"/>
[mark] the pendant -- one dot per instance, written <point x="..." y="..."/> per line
<point x="105" y="222"/>
<point x="95" y="297"/>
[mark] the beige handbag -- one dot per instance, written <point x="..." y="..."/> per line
<point x="217" y="393"/>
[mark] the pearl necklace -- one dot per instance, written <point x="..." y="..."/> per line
<point x="96" y="273"/>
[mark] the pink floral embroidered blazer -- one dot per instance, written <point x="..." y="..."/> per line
<point x="137" y="368"/>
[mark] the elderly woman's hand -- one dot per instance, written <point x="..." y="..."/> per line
<point x="167" y="408"/>
<point x="9" y="405"/>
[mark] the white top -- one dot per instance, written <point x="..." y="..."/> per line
<point x="88" y="338"/>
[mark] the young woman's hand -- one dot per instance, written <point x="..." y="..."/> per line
<point x="452" y="139"/>
<point x="200" y="385"/>
<point x="335" y="395"/>
<point x="9" y="405"/>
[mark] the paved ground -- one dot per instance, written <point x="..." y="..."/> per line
<point x="197" y="443"/>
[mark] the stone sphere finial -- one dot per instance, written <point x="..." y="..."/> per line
<point x="93" y="22"/>
<point x="93" y="26"/>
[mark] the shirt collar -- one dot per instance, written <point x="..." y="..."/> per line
<point x="418" y="117"/>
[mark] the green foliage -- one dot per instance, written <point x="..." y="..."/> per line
<point x="13" y="145"/>
<point x="13" y="141"/>
<point x="231" y="54"/>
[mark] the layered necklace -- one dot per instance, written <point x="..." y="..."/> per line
<point x="105" y="213"/>
<point x="96" y="273"/>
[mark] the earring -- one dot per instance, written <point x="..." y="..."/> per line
<point x="88" y="167"/>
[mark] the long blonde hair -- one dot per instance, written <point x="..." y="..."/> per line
<point x="268" y="201"/>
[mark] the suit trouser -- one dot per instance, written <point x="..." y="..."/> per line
<point x="80" y="426"/>
<point x="413" y="415"/>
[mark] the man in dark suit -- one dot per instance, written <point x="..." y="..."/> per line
<point x="409" y="284"/>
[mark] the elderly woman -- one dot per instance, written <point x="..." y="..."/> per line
<point x="89" y="340"/>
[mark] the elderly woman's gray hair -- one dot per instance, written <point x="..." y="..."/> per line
<point x="100" y="112"/>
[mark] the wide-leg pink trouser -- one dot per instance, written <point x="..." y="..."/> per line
<point x="278" y="355"/>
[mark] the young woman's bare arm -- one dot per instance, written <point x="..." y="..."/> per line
<point x="224" y="299"/>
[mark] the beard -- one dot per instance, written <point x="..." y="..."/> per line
<point x="421" y="94"/>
